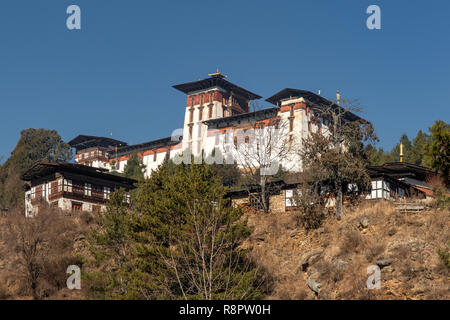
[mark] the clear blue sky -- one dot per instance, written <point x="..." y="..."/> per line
<point x="116" y="73"/>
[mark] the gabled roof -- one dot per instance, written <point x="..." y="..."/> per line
<point x="82" y="142"/>
<point x="252" y="116"/>
<point x="215" y="82"/>
<point x="151" y="145"/>
<point x="314" y="100"/>
<point x="401" y="170"/>
<point x="44" y="169"/>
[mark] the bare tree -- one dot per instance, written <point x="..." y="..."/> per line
<point x="335" y="155"/>
<point x="40" y="245"/>
<point x="262" y="151"/>
<point x="207" y="261"/>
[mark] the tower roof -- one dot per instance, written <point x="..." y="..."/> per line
<point x="216" y="80"/>
<point x="314" y="100"/>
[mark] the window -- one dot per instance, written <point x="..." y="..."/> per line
<point x="92" y="153"/>
<point x="87" y="189"/>
<point x="96" y="208"/>
<point x="290" y="198"/>
<point x="67" y="185"/>
<point x="77" y="206"/>
<point x="154" y="155"/>
<point x="38" y="192"/>
<point x="291" y="124"/>
<point x="380" y="190"/>
<point x="255" y="201"/>
<point x="191" y="115"/>
<point x="190" y="132"/>
<point x="210" y="108"/>
<point x="107" y="192"/>
<point x="200" y="113"/>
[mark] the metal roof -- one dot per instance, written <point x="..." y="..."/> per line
<point x="43" y="169"/>
<point x="215" y="82"/>
<point x="155" y="144"/>
<point x="401" y="169"/>
<point x="82" y="142"/>
<point x="254" y="116"/>
<point x="312" y="99"/>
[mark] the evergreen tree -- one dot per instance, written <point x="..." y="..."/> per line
<point x="134" y="168"/>
<point x="33" y="146"/>
<point x="111" y="252"/>
<point x="181" y="241"/>
<point x="189" y="237"/>
<point x="437" y="149"/>
<point x="418" y="148"/>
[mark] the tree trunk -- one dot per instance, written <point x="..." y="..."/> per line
<point x="339" y="206"/>
<point x="263" y="194"/>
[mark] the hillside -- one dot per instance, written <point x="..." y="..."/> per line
<point x="333" y="259"/>
<point x="336" y="256"/>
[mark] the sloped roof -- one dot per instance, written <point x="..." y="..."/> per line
<point x="314" y="100"/>
<point x="43" y="169"/>
<point x="253" y="116"/>
<point x="82" y="142"/>
<point x="151" y="145"/>
<point x="215" y="82"/>
<point x="401" y="170"/>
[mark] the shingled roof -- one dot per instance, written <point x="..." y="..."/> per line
<point x="312" y="99"/>
<point x="82" y="142"/>
<point x="44" y="169"/>
<point x="215" y="82"/>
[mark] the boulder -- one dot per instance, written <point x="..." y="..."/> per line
<point x="383" y="263"/>
<point x="314" y="285"/>
<point x="364" y="222"/>
<point x="260" y="236"/>
<point x="294" y="233"/>
<point x="310" y="258"/>
<point x="340" y="264"/>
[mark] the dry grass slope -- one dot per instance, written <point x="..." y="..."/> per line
<point x="337" y="255"/>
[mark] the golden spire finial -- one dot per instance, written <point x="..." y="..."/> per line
<point x="217" y="74"/>
<point x="401" y="152"/>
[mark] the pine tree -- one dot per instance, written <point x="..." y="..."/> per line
<point x="437" y="149"/>
<point x="418" y="148"/>
<point x="134" y="168"/>
<point x="189" y="237"/>
<point x="33" y="146"/>
<point x="111" y="251"/>
<point x="181" y="240"/>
